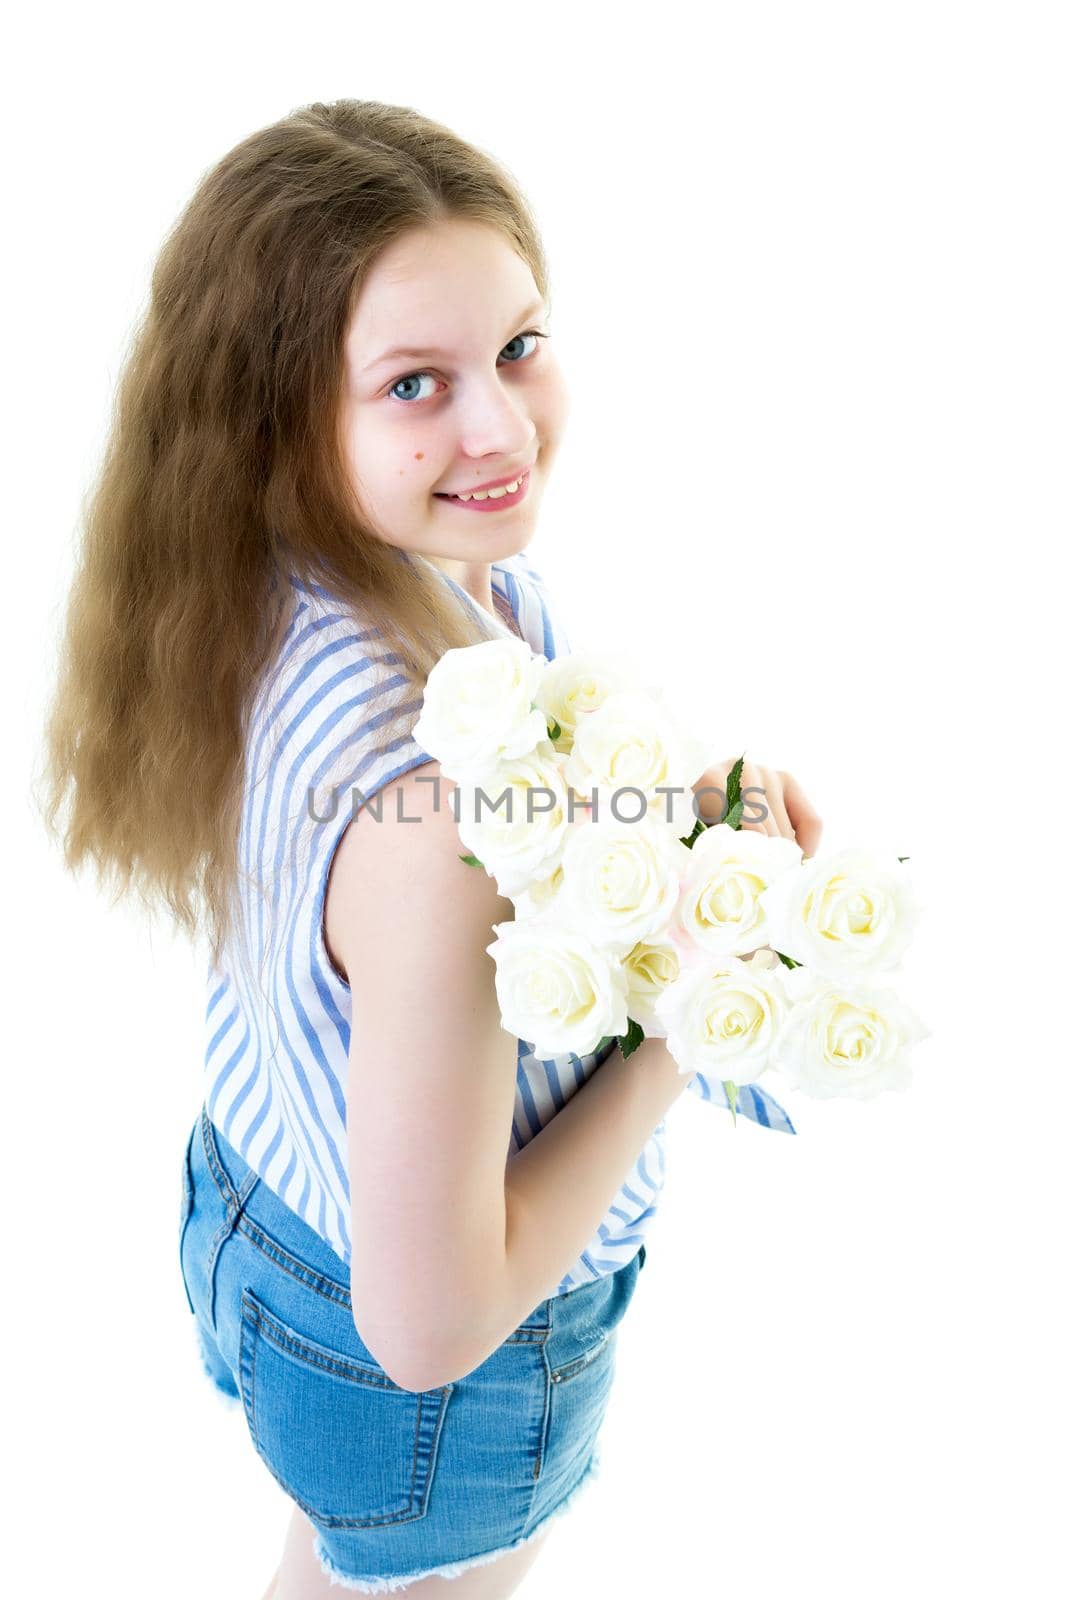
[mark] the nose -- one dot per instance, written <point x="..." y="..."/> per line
<point x="495" y="423"/>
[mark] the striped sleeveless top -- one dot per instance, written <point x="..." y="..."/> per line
<point x="278" y="1018"/>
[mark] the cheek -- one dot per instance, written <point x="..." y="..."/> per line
<point x="553" y="397"/>
<point x="356" y="447"/>
<point x="377" y="458"/>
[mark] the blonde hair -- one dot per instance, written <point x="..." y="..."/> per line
<point x="222" y="472"/>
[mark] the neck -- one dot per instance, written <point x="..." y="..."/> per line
<point x="474" y="577"/>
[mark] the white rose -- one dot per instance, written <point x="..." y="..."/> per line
<point x="649" y="968"/>
<point x="722" y="1018"/>
<point x="720" y="908"/>
<point x="632" y="740"/>
<point x="576" y="684"/>
<point x="538" y="895"/>
<point x="850" y="915"/>
<point x="843" y="1040"/>
<point x="621" y="879"/>
<point x="478" y="710"/>
<point x="523" y="838"/>
<point x="555" y="988"/>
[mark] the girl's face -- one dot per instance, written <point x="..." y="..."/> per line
<point x="474" y="396"/>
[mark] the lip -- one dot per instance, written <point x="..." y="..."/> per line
<point x="496" y="483"/>
<point x="504" y="503"/>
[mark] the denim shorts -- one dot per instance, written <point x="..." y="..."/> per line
<point x="398" y="1484"/>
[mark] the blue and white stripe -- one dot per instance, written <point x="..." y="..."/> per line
<point x="278" y="1020"/>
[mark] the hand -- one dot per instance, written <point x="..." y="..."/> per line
<point x="790" y="813"/>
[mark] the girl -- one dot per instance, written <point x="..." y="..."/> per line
<point x="407" y="1255"/>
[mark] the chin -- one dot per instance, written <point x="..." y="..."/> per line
<point x="515" y="545"/>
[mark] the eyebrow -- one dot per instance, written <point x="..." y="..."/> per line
<point x="406" y="353"/>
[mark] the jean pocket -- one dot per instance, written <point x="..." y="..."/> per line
<point x="186" y="1211"/>
<point x="576" y="1404"/>
<point x="571" y="1369"/>
<point x="347" y="1444"/>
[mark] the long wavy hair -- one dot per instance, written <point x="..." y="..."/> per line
<point x="222" y="470"/>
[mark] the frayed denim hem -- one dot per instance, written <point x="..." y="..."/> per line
<point x="454" y="1569"/>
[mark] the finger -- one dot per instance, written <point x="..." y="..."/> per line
<point x="807" y="824"/>
<point x="776" y="801"/>
<point x="753" y="779"/>
<point x="712" y="804"/>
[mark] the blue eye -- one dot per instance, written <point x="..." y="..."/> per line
<point x="411" y="377"/>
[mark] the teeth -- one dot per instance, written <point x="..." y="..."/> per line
<point x="491" y="494"/>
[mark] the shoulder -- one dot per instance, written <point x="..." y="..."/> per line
<point x="327" y="646"/>
<point x="317" y="614"/>
<point x="402" y="857"/>
<point x="334" y="707"/>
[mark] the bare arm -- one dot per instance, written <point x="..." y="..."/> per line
<point x="431" y="1078"/>
<point x="560" y="1185"/>
<point x="453" y="1242"/>
<point x="558" y="1188"/>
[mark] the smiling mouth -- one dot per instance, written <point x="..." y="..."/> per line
<point x="490" y="494"/>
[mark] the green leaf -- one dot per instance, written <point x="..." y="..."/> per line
<point x="734" y="808"/>
<point x="903" y="858"/>
<point x="733" y="792"/>
<point x="554" y="729"/>
<point x="787" y="961"/>
<point x="629" y="1041"/>
<point x="699" y="827"/>
<point x="731" y="1095"/>
<point x="471" y="861"/>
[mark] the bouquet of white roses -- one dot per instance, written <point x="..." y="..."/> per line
<point x="633" y="917"/>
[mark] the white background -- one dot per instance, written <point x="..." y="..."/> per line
<point x="808" y="267"/>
